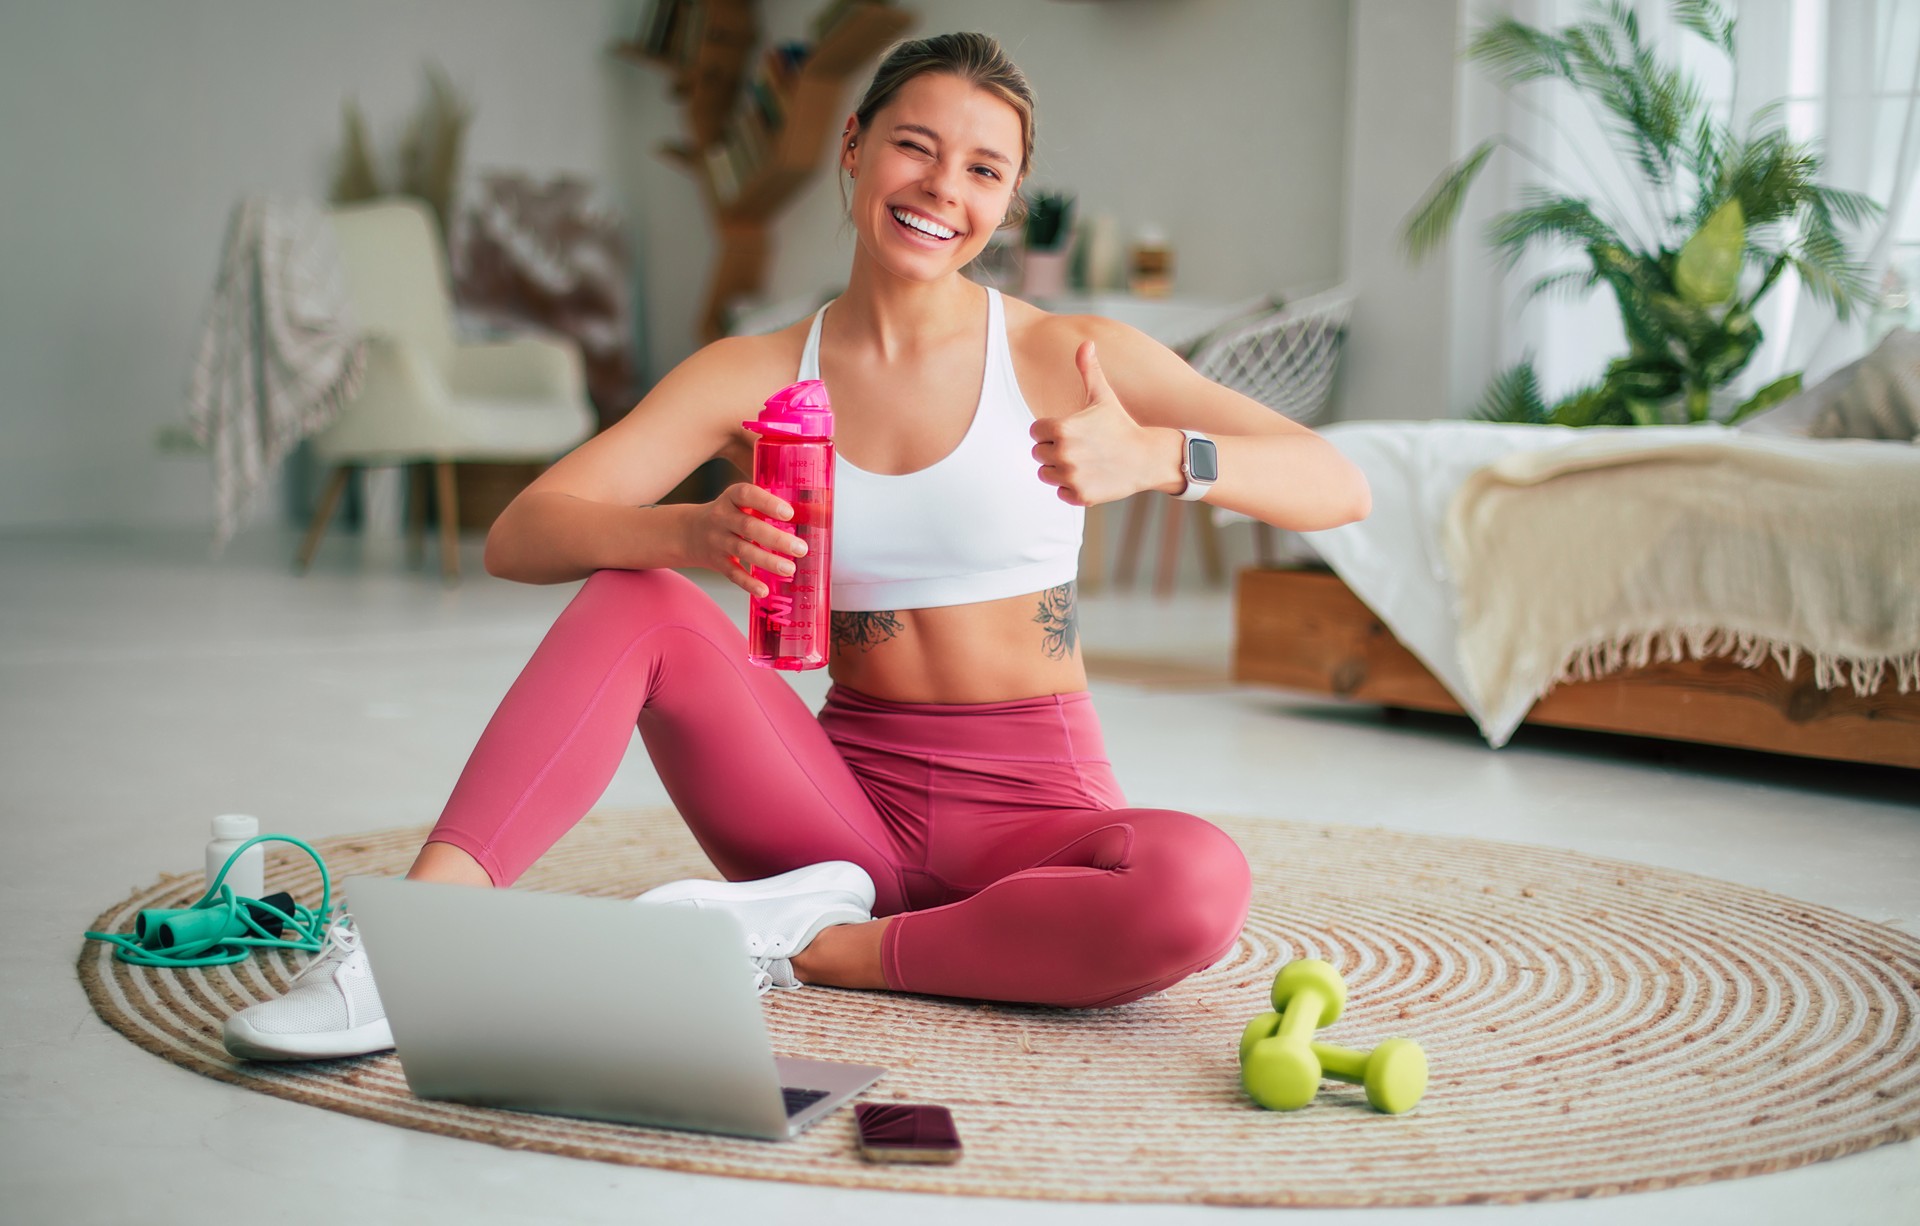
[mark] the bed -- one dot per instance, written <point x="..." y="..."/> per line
<point x="1691" y="583"/>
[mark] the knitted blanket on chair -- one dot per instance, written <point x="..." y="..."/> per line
<point x="279" y="353"/>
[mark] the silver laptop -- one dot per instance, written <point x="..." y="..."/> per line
<point x="586" y="1007"/>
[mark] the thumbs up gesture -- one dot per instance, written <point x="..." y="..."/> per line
<point x="1100" y="454"/>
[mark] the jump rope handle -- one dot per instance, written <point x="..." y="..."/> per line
<point x="224" y="927"/>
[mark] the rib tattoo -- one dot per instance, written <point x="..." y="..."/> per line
<point x="1059" y="620"/>
<point x="864" y="631"/>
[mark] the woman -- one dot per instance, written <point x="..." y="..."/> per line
<point x="949" y="823"/>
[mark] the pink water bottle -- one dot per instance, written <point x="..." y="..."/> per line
<point x="793" y="459"/>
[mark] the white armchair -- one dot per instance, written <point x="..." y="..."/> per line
<point x="1286" y="360"/>
<point x="426" y="397"/>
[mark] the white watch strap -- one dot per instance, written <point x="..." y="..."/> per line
<point x="1195" y="490"/>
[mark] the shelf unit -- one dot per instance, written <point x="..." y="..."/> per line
<point x="709" y="79"/>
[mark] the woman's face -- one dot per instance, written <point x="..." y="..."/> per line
<point x="934" y="173"/>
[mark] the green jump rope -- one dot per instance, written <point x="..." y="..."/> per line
<point x="224" y="928"/>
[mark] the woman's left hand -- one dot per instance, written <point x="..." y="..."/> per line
<point x="1100" y="454"/>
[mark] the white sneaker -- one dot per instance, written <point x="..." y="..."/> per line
<point x="780" y="915"/>
<point x="330" y="1010"/>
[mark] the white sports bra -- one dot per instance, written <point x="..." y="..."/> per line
<point x="977" y="524"/>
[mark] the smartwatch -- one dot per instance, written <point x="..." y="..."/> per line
<point x="1199" y="464"/>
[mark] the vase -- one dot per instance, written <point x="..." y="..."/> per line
<point x="1043" y="274"/>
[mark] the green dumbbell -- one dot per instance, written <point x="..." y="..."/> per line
<point x="1278" y="1068"/>
<point x="1395" y="1073"/>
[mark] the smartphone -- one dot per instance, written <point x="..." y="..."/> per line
<point x="906" y="1132"/>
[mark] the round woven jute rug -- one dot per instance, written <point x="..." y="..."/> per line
<point x="1593" y="1027"/>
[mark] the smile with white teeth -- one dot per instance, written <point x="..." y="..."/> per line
<point x="932" y="229"/>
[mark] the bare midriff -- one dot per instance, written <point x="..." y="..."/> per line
<point x="993" y="651"/>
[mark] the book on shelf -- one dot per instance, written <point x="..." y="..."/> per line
<point x="788" y="59"/>
<point x="739" y="158"/>
<point x="688" y="31"/>
<point x="766" y="90"/>
<point x="656" y="28"/>
<point x="755" y="135"/>
<point x="672" y="30"/>
<point x="720" y="173"/>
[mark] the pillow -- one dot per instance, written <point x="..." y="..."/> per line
<point x="1883" y="399"/>
<point x="1795" y="416"/>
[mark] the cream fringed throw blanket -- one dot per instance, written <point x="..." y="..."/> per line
<point x="280" y="354"/>
<point x="1575" y="562"/>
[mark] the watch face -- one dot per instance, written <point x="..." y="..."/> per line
<point x="1203" y="460"/>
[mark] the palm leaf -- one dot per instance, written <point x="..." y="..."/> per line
<point x="1671" y="104"/>
<point x="1517" y="52"/>
<point x="1768" y="396"/>
<point x="1546" y="217"/>
<point x="1513" y="396"/>
<point x="1821" y="260"/>
<point x="1593" y="405"/>
<point x="1432" y="219"/>
<point x="1707" y="19"/>
<point x="1767" y="117"/>
<point x="1775" y="262"/>
<point x="1854" y="208"/>
<point x="1574" y="283"/>
<point x="1705" y="158"/>
<point x="1626" y="19"/>
<point x="1613" y="74"/>
<point x="1770" y="175"/>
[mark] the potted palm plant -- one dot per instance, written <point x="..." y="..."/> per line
<point x="1731" y="211"/>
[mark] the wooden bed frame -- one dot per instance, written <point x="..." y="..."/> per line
<point x="1303" y="629"/>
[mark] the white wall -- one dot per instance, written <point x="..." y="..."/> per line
<point x="1221" y="121"/>
<point x="1402" y="99"/>
<point x="133" y="126"/>
<point x="130" y="129"/>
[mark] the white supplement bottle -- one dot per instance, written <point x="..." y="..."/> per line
<point x="248" y="875"/>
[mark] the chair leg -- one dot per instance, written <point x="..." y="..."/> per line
<point x="449" y="519"/>
<point x="1266" y="549"/>
<point x="336" y="485"/>
<point x="1210" y="559"/>
<point x="416" y="513"/>
<point x="1093" y="550"/>
<point x="1131" y="538"/>
<point x="1176" y="509"/>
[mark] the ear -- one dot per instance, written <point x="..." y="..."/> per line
<point x="847" y="142"/>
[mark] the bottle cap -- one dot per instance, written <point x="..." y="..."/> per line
<point x="235" y="826"/>
<point x="800" y="410"/>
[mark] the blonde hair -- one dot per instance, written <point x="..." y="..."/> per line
<point x="977" y="59"/>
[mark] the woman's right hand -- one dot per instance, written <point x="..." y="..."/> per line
<point x="732" y="534"/>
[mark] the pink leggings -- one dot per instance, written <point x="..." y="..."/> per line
<point x="995" y="833"/>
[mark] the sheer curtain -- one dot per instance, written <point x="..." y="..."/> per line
<point x="1848" y="75"/>
<point x="1852" y="77"/>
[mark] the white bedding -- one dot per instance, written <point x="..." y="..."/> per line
<point x="1396" y="560"/>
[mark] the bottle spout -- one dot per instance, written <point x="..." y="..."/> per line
<point x="799" y="410"/>
<point x="773" y="427"/>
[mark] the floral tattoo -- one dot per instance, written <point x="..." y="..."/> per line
<point x="864" y="631"/>
<point x="1058" y="618"/>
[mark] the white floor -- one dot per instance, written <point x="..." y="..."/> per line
<point x="144" y="688"/>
